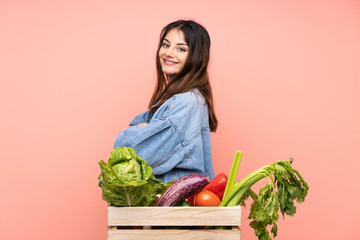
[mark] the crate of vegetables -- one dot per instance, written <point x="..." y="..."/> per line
<point x="194" y="207"/>
<point x="158" y="223"/>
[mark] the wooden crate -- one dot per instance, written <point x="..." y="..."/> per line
<point x="152" y="223"/>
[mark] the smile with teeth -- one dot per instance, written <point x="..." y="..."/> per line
<point x="169" y="63"/>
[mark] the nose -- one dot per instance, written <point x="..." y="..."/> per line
<point x="169" y="52"/>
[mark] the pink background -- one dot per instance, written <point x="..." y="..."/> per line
<point x="73" y="74"/>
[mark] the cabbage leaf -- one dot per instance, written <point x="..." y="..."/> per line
<point x="127" y="179"/>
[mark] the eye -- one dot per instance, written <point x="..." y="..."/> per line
<point x="181" y="49"/>
<point x="165" y="45"/>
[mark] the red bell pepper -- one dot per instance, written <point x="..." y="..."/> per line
<point x="217" y="185"/>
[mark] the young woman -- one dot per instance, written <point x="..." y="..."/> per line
<point x="173" y="136"/>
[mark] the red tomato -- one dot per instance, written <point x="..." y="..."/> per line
<point x="206" y="198"/>
<point x="217" y="185"/>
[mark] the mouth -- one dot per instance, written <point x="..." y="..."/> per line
<point x="169" y="63"/>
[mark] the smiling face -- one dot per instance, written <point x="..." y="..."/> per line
<point x="173" y="52"/>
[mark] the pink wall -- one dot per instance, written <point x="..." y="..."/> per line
<point x="285" y="76"/>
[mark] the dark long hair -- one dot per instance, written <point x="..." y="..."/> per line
<point x="194" y="75"/>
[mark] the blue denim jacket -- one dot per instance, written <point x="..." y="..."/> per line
<point x="176" y="142"/>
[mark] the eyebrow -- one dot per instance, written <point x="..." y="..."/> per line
<point x="177" y="43"/>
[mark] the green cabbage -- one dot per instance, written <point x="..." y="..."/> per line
<point x="127" y="179"/>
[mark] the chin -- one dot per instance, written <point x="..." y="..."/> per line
<point x="170" y="73"/>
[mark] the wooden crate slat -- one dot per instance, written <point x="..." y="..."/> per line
<point x="174" y="216"/>
<point x="174" y="234"/>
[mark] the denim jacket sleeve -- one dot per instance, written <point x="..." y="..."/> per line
<point x="138" y="119"/>
<point x="174" y="132"/>
<point x="141" y="118"/>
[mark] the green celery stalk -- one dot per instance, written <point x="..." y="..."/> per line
<point x="233" y="173"/>
<point x="284" y="186"/>
<point x="240" y="189"/>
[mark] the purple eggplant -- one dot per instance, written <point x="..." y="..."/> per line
<point x="182" y="188"/>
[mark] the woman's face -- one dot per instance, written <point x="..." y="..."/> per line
<point x="173" y="52"/>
